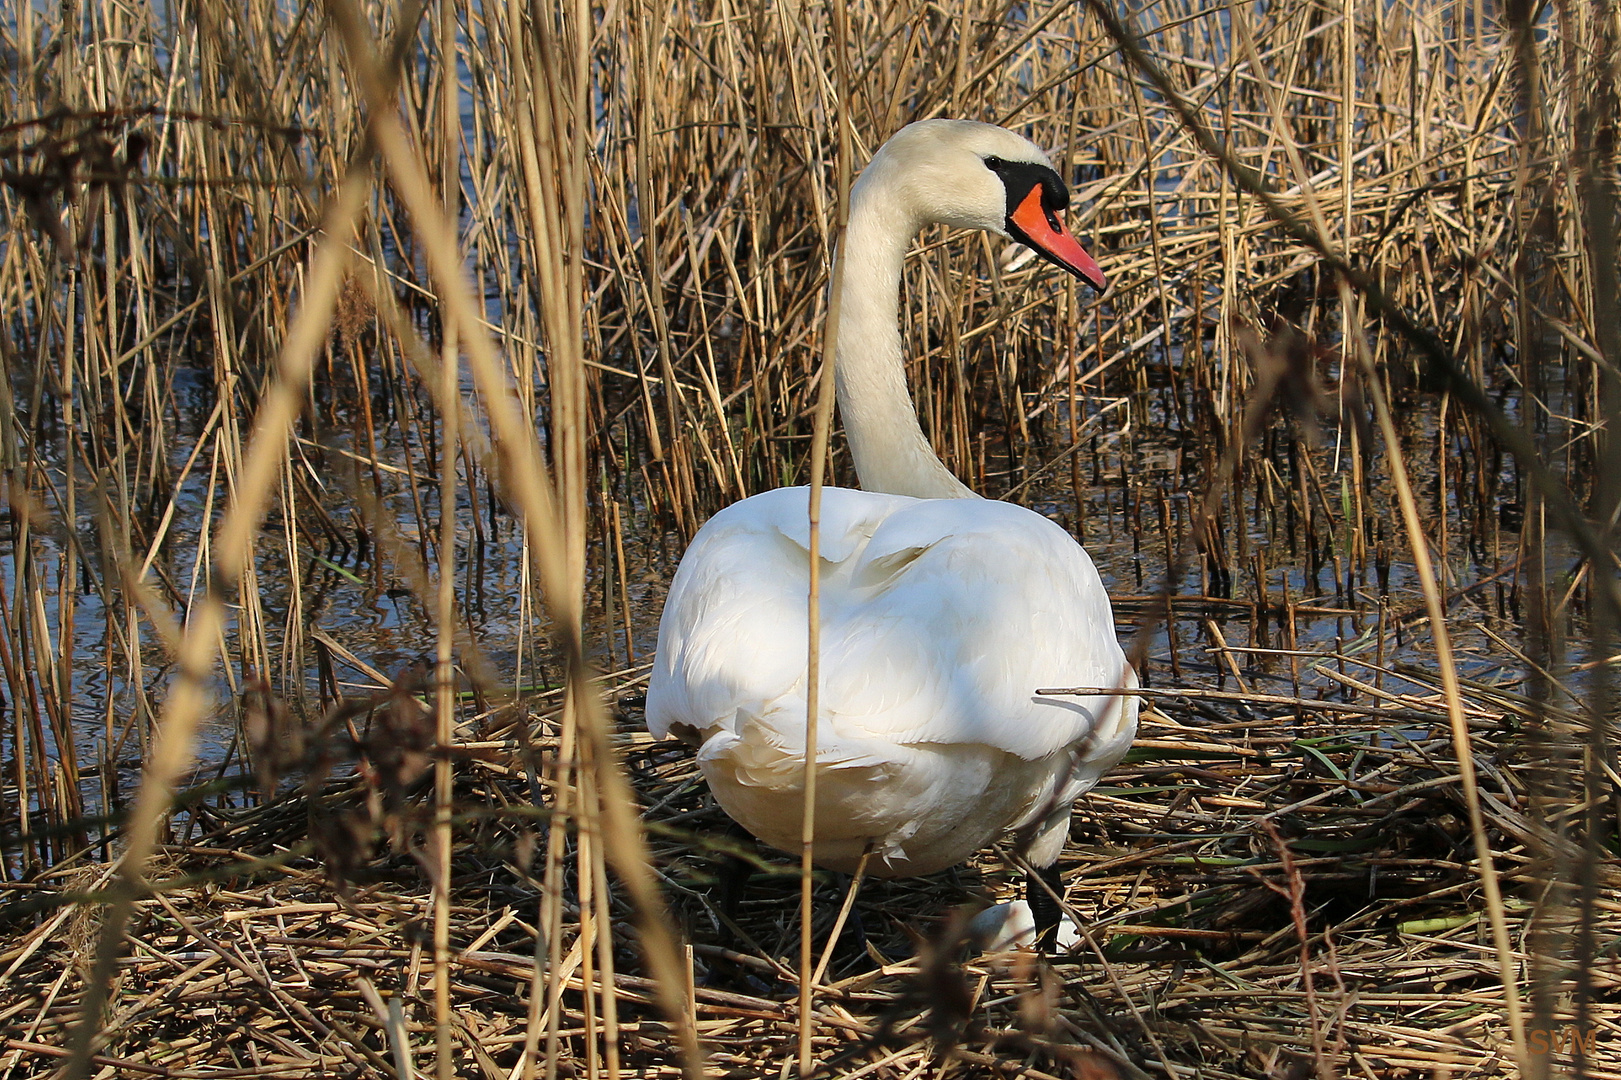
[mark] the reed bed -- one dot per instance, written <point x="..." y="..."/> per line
<point x="1193" y="898"/>
<point x="369" y="367"/>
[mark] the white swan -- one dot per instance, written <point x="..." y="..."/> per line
<point x="942" y="612"/>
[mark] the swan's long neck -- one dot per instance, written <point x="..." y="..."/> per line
<point x="890" y="451"/>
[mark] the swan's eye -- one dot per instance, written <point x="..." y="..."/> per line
<point x="993" y="162"/>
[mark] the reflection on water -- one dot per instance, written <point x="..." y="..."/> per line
<point x="1280" y="610"/>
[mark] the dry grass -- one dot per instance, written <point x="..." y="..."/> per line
<point x="286" y="403"/>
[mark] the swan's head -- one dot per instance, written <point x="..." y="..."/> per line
<point x="978" y="176"/>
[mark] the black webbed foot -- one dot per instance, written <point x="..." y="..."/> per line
<point x="1043" y="906"/>
<point x="850" y="955"/>
<point x="729" y="956"/>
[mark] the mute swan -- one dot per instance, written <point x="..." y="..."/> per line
<point x="942" y="612"/>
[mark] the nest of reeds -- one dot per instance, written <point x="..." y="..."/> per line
<point x="1272" y="885"/>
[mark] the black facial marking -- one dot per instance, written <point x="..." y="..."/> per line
<point x="1018" y="177"/>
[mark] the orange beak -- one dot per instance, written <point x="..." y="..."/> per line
<point x="1045" y="233"/>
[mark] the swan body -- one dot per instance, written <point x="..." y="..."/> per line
<point x="942" y="613"/>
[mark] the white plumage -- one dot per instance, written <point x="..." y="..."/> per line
<point x="941" y="615"/>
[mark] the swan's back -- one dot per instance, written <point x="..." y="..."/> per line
<point x="941" y="617"/>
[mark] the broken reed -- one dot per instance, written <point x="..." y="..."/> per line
<point x="166" y="179"/>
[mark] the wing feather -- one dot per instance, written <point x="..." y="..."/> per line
<point x="941" y="617"/>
